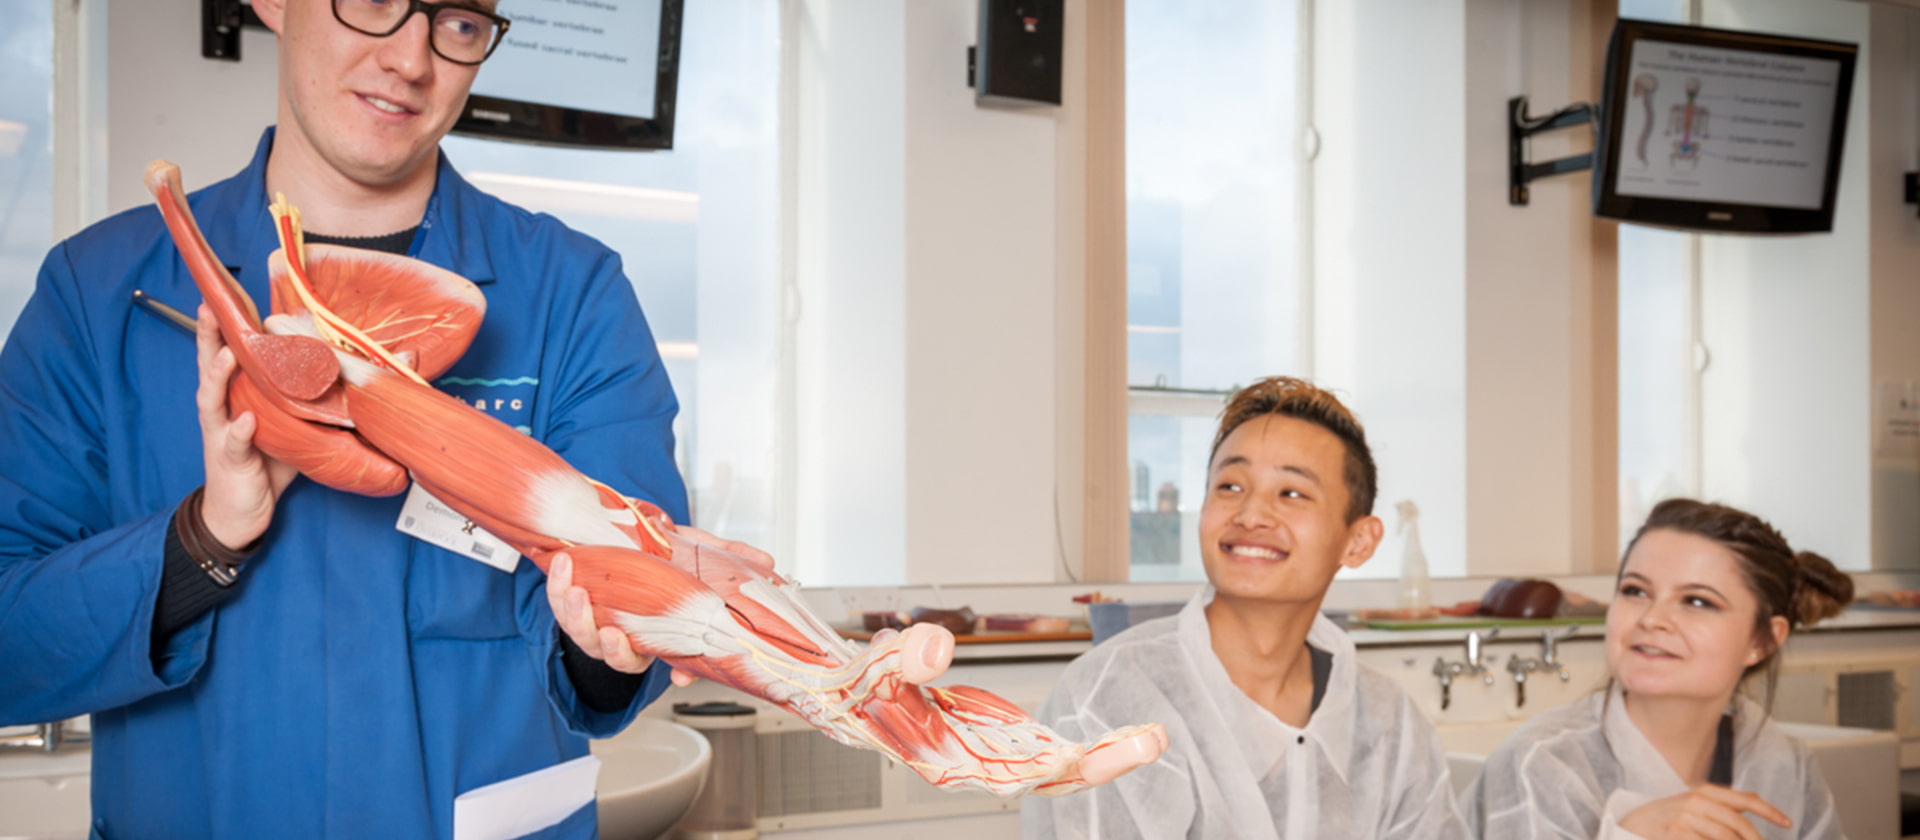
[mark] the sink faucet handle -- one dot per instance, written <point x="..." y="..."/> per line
<point x="1550" y="643"/>
<point x="1475" y="642"/>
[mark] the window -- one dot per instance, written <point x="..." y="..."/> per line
<point x="697" y="231"/>
<point x="1704" y="362"/>
<point x="1659" y="290"/>
<point x="1213" y="300"/>
<point x="26" y="152"/>
<point x="1273" y="209"/>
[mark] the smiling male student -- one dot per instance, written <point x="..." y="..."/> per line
<point x="1275" y="730"/>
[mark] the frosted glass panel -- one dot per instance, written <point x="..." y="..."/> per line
<point x="26" y="151"/>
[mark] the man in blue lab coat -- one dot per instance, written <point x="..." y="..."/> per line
<point x="263" y="656"/>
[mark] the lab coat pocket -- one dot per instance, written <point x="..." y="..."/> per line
<point x="455" y="597"/>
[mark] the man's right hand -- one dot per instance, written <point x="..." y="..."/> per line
<point x="243" y="484"/>
<point x="1709" y="811"/>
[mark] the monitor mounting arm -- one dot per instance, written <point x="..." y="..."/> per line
<point x="1520" y="126"/>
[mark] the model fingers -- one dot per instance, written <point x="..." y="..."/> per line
<point x="925" y="652"/>
<point x="735" y="547"/>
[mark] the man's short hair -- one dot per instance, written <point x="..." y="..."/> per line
<point x="1302" y="400"/>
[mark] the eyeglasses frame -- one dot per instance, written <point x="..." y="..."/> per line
<point x="432" y="10"/>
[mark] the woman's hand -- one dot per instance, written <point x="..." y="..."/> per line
<point x="1707" y="811"/>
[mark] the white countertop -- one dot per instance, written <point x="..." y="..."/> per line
<point x="1851" y="620"/>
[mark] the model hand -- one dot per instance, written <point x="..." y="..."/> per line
<point x="1708" y="811"/>
<point x="243" y="484"/>
<point x="573" y="611"/>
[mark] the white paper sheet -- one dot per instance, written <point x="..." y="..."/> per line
<point x="525" y="804"/>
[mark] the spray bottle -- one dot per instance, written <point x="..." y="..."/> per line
<point x="1416" y="591"/>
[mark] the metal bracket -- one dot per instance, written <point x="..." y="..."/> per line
<point x="220" y="23"/>
<point x="1911" y="182"/>
<point x="1520" y="126"/>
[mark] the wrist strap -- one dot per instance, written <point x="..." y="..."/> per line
<point x="218" y="561"/>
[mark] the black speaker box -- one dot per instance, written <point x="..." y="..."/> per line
<point x="1017" y="61"/>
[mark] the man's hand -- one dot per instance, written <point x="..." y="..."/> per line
<point x="1708" y="811"/>
<point x="243" y="484"/>
<point x="573" y="611"/>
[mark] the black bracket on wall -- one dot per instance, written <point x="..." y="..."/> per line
<point x="1520" y="126"/>
<point x="1912" y="184"/>
<point x="220" y="22"/>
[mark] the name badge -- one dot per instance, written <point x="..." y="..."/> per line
<point x="429" y="520"/>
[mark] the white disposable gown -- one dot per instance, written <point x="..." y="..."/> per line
<point x="1575" y="771"/>
<point x="1367" y="764"/>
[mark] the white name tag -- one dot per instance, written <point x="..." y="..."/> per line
<point x="428" y="519"/>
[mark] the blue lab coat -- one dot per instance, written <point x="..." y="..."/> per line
<point x="358" y="679"/>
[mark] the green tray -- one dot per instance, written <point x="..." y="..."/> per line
<point x="1451" y="622"/>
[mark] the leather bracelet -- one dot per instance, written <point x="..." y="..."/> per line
<point x="213" y="557"/>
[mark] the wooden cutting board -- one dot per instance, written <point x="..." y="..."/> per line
<point x="996" y="637"/>
<point x="1451" y="622"/>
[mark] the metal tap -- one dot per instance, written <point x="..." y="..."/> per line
<point x="46" y="737"/>
<point x="1446" y="671"/>
<point x="1521" y="666"/>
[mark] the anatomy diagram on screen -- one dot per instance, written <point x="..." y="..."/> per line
<point x="1643" y="87"/>
<point x="1688" y="120"/>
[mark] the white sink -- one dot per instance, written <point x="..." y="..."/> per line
<point x="45" y="796"/>
<point x="649" y="776"/>
<point x="1467" y="746"/>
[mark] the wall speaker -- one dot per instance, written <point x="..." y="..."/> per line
<point x="1017" y="61"/>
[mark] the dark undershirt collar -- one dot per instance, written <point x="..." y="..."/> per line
<point x="393" y="243"/>
<point x="1721" y="772"/>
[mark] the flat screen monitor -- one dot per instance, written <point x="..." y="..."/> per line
<point x="588" y="73"/>
<point x="1714" y="130"/>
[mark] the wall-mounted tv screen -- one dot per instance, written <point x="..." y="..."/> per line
<point x="591" y="73"/>
<point x="1715" y="130"/>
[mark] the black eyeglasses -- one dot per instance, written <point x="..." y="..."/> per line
<point x="458" y="33"/>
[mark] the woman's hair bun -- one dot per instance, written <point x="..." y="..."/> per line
<point x="1823" y="591"/>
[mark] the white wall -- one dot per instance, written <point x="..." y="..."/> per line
<point x="926" y="352"/>
<point x="1390" y="273"/>
<point x="850" y="193"/>
<point x="165" y="101"/>
<point x="1530" y="469"/>
<point x="1785" y="417"/>
<point x="980" y="318"/>
<point x="1894" y="284"/>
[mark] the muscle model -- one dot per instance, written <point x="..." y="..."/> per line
<point x="337" y="377"/>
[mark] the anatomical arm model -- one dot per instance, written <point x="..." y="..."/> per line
<point x="337" y="378"/>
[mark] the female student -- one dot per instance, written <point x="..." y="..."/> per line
<point x="1705" y="597"/>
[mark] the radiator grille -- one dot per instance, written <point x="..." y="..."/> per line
<point x="806" y="772"/>
<point x="1867" y="700"/>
